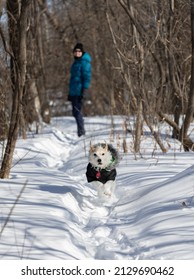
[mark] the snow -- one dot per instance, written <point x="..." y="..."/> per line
<point x="59" y="215"/>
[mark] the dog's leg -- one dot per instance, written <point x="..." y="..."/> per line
<point x="99" y="187"/>
<point x="104" y="190"/>
<point x="108" y="187"/>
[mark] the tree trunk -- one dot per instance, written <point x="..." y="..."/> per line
<point x="17" y="32"/>
<point x="138" y="127"/>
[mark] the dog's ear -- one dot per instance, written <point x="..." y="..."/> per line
<point x="105" y="146"/>
<point x="92" y="148"/>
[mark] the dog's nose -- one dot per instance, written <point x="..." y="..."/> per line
<point x="99" y="160"/>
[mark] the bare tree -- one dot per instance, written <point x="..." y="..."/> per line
<point x="182" y="132"/>
<point x="157" y="62"/>
<point x="183" y="135"/>
<point x="18" y="26"/>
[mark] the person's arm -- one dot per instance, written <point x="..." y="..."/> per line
<point x="86" y="74"/>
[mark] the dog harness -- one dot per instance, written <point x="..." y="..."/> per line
<point x="101" y="175"/>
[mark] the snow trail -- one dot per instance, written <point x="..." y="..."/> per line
<point x="60" y="216"/>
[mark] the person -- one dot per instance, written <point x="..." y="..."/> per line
<point x="80" y="79"/>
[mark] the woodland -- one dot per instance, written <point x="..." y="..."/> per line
<point x="142" y="64"/>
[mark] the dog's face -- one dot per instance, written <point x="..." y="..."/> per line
<point x="99" y="156"/>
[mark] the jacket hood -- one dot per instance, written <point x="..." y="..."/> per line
<point x="86" y="56"/>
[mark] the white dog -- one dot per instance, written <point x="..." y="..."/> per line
<point x="101" y="170"/>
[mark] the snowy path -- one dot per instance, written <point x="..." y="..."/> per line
<point x="59" y="215"/>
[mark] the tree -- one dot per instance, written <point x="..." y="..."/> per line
<point x="183" y="131"/>
<point x="18" y="26"/>
<point x="183" y="135"/>
<point x="154" y="53"/>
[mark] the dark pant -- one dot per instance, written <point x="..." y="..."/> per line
<point x="76" y="111"/>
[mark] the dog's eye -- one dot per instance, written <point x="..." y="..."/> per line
<point x="95" y="155"/>
<point x="102" y="154"/>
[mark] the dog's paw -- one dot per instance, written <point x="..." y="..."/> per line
<point x="107" y="193"/>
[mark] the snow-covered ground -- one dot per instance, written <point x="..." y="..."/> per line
<point x="59" y="215"/>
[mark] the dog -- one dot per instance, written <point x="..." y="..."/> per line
<point x="101" y="169"/>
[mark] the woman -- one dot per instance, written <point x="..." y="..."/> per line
<point x="79" y="83"/>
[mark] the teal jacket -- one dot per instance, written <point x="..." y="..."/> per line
<point x="80" y="75"/>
